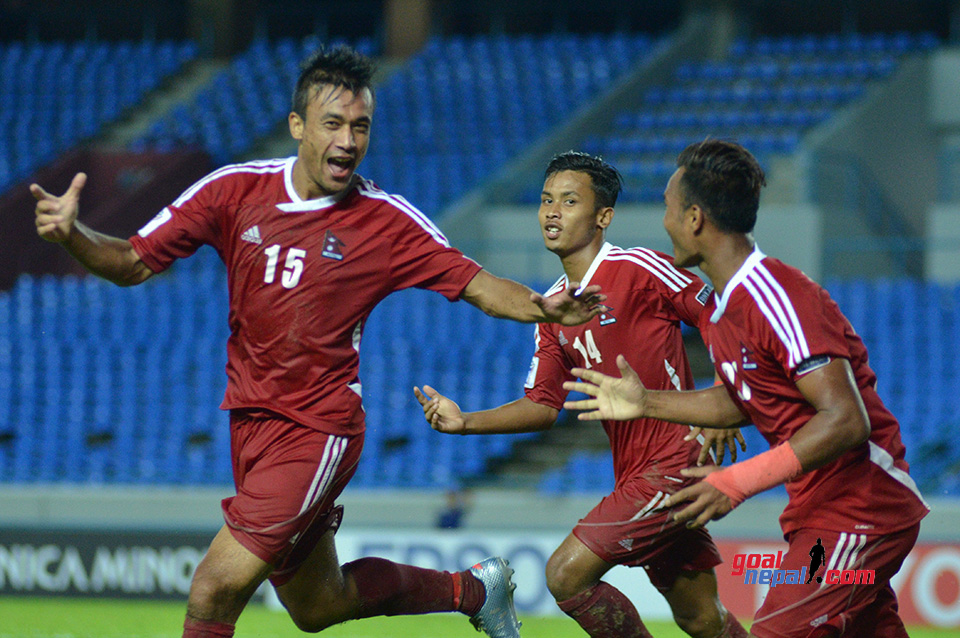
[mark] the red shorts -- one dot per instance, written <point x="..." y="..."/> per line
<point x="287" y="478"/>
<point x="837" y="609"/>
<point x="627" y="528"/>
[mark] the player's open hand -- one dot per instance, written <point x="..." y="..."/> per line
<point x="707" y="503"/>
<point x="55" y="216"/>
<point x="571" y="306"/>
<point x="441" y="413"/>
<point x="717" y="440"/>
<point x="612" y="398"/>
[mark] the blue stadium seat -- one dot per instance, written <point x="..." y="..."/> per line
<point x="788" y="84"/>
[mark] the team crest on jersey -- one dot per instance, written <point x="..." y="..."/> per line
<point x="606" y="318"/>
<point x="332" y="246"/>
<point x="746" y="355"/>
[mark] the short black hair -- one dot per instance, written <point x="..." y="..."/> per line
<point x="340" y="66"/>
<point x="605" y="179"/>
<point x="724" y="179"/>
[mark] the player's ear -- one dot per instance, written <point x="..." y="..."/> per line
<point x="296" y="125"/>
<point x="604" y="217"/>
<point x="695" y="218"/>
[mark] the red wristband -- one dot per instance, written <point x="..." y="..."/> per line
<point x="742" y="480"/>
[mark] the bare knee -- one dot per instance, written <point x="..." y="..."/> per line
<point x="218" y="596"/>
<point x="564" y="579"/>
<point x="324" y="608"/>
<point x="703" y="621"/>
<point x="224" y="580"/>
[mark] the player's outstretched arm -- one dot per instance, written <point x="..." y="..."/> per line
<point x="522" y="415"/>
<point x="626" y="398"/>
<point x="442" y="414"/>
<point x="840" y="423"/>
<point x="620" y="399"/>
<point x="112" y="258"/>
<point x="507" y="299"/>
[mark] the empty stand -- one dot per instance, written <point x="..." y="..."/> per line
<point x="765" y="94"/>
<point x="57" y="94"/>
<point x="445" y="120"/>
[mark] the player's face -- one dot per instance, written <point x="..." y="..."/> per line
<point x="333" y="138"/>
<point x="673" y="218"/>
<point x="569" y="219"/>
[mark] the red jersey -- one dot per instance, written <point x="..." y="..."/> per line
<point x="303" y="277"/>
<point x="648" y="297"/>
<point x="771" y="326"/>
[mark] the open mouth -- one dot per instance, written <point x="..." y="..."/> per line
<point x="551" y="231"/>
<point x="340" y="167"/>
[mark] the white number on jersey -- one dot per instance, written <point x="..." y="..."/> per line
<point x="292" y="269"/>
<point x="590" y="351"/>
<point x="730" y="370"/>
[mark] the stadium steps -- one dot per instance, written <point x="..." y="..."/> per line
<point x="179" y="89"/>
<point x="524" y="468"/>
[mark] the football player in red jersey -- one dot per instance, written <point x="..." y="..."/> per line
<point x="647" y="298"/>
<point x="310" y="248"/>
<point x="792" y="365"/>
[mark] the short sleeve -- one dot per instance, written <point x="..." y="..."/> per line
<point x="690" y="301"/>
<point x="548" y="370"/>
<point x="422" y="258"/>
<point x="181" y="228"/>
<point x="804" y="330"/>
<point x="682" y="294"/>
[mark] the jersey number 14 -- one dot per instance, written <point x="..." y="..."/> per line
<point x="590" y="350"/>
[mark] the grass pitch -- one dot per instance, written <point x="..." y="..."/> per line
<point x="86" y="618"/>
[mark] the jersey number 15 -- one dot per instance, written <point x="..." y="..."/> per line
<point x="292" y="268"/>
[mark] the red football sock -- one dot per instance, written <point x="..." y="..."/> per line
<point x="196" y="628"/>
<point x="472" y="593"/>
<point x="386" y="588"/>
<point x="604" y="612"/>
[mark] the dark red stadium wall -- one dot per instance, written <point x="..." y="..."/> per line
<point x="124" y="191"/>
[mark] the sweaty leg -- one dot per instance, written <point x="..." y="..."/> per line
<point x="225" y="580"/>
<point x="322" y="593"/>
<point x="573" y="577"/>
<point x="697" y="609"/>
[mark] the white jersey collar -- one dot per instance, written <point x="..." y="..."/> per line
<point x="299" y="205"/>
<point x="745" y="269"/>
<point x="604" y="250"/>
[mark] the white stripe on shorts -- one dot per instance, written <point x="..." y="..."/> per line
<point x="332" y="454"/>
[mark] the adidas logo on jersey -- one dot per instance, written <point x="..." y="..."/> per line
<point x="626" y="543"/>
<point x="562" y="339"/>
<point x="252" y="235"/>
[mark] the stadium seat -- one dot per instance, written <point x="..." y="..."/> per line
<point x="769" y="91"/>
<point x="103" y="80"/>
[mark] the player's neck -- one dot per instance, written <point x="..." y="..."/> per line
<point x="576" y="264"/>
<point x="725" y="258"/>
